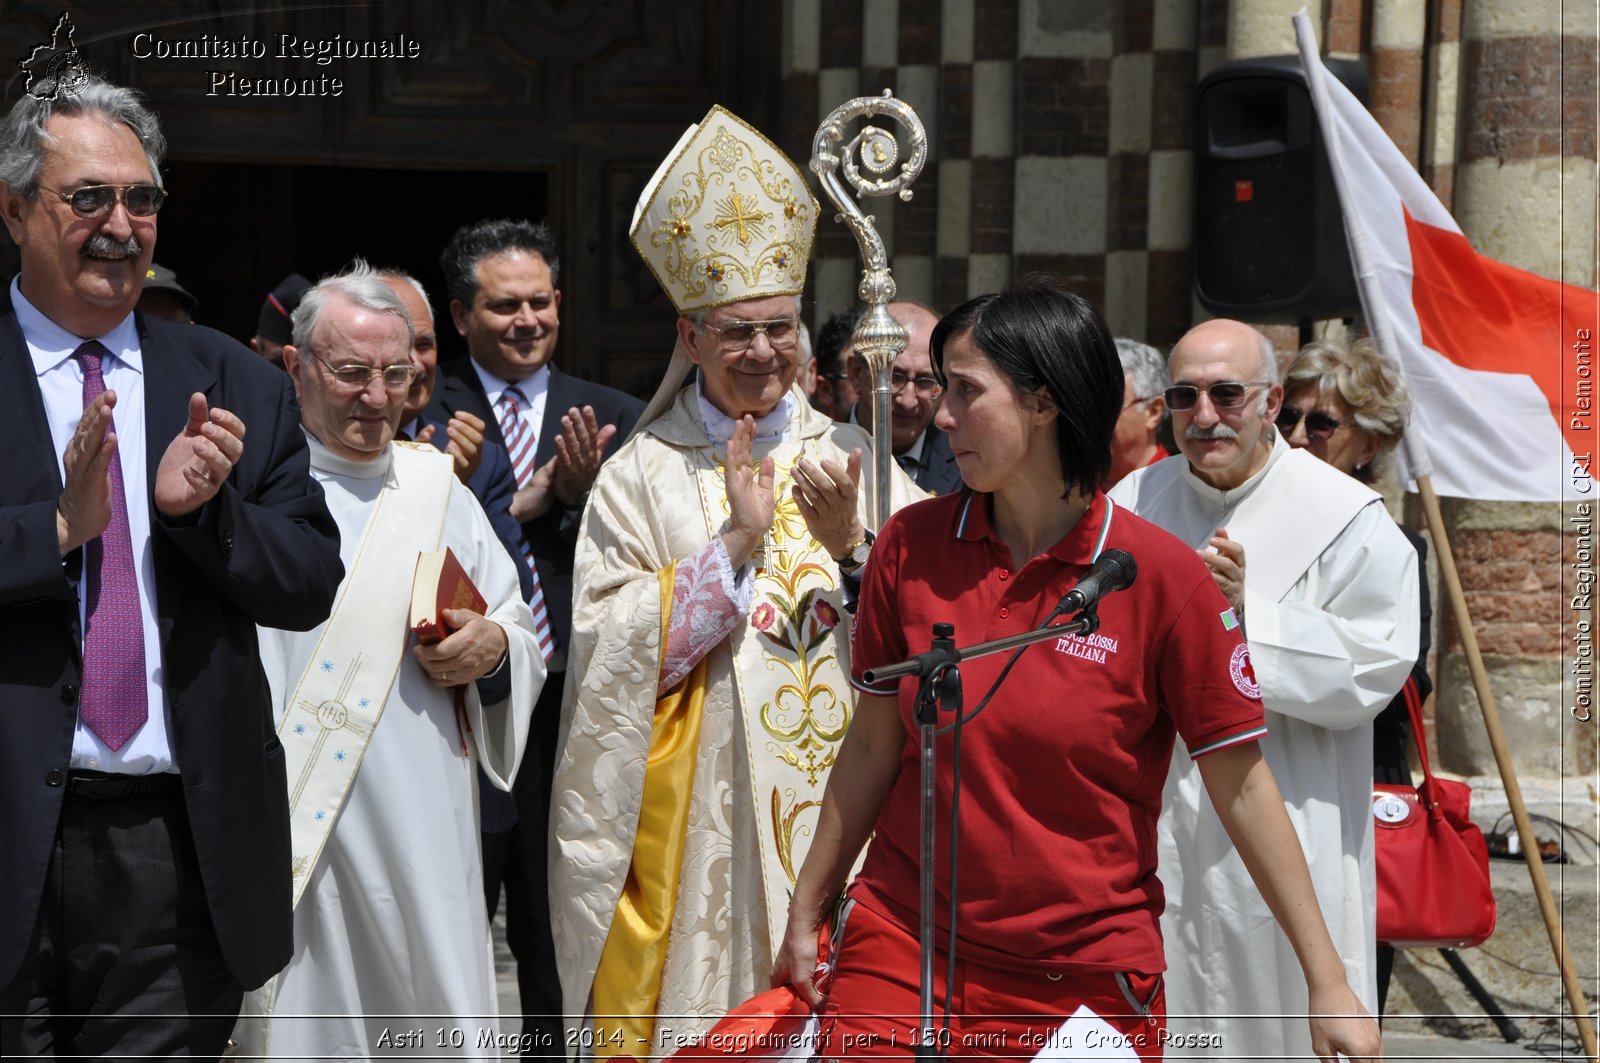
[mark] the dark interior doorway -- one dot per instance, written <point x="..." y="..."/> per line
<point x="232" y="231"/>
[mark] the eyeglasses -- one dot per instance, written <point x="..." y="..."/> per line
<point x="1138" y="402"/>
<point x="96" y="201"/>
<point x="1225" y="394"/>
<point x="926" y="386"/>
<point x="782" y="333"/>
<point x="1318" y="424"/>
<point x="358" y="377"/>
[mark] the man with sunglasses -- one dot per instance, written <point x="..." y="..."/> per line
<point x="1325" y="587"/>
<point x="381" y="732"/>
<point x="920" y="447"/>
<point x="706" y="636"/>
<point x="142" y="813"/>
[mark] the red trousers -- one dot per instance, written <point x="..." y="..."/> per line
<point x="873" y="1006"/>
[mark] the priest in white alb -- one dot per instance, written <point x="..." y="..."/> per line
<point x="1326" y="589"/>
<point x="707" y="691"/>
<point x="381" y="735"/>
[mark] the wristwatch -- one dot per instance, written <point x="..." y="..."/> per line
<point x="856" y="556"/>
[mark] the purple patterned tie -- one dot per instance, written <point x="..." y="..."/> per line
<point x="520" y="444"/>
<point x="114" y="702"/>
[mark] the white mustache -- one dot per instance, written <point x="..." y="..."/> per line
<point x="1216" y="431"/>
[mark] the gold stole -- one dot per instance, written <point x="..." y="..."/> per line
<point x="627" y="981"/>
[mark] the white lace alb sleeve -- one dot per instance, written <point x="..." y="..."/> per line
<point x="708" y="599"/>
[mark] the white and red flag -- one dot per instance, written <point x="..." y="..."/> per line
<point x="1500" y="361"/>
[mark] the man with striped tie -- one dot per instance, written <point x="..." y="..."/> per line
<point x="503" y="276"/>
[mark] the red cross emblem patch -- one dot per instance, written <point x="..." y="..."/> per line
<point x="1244" y="673"/>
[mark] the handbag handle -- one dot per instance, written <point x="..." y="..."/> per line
<point x="1419" y="734"/>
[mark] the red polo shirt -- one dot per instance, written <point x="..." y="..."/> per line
<point x="1062" y="773"/>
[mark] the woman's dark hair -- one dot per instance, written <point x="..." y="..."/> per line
<point x="1039" y="334"/>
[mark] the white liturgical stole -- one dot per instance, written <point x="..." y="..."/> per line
<point x="329" y="719"/>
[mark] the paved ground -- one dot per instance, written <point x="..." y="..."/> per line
<point x="1407" y="1039"/>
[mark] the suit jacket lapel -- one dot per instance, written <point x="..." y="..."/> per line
<point x="461" y="384"/>
<point x="171" y="375"/>
<point x="559" y="397"/>
<point x="35" y="474"/>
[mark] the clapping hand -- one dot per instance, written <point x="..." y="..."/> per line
<point x="580" y="448"/>
<point x="84" y="509"/>
<point x="751" y="500"/>
<point x="826" y="495"/>
<point x="465" y="445"/>
<point x="198" y="459"/>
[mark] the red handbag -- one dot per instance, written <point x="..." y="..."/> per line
<point x="1433" y="865"/>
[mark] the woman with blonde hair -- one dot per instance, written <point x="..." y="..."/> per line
<point x="1349" y="407"/>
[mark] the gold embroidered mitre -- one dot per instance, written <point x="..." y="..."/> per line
<point x="726" y="217"/>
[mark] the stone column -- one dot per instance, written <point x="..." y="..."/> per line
<point x="1524" y="194"/>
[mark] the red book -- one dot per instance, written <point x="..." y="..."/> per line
<point x="441" y="583"/>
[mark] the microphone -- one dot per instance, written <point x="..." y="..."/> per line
<point x="1113" y="570"/>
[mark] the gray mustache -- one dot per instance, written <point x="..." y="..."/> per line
<point x="102" y="246"/>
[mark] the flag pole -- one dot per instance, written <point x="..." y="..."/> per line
<point x="1422" y="467"/>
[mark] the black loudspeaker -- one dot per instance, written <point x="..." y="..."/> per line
<point x="1268" y="239"/>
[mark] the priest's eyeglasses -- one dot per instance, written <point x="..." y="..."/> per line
<point x="1225" y="394"/>
<point x="358" y="377"/>
<point x="1319" y="425"/>
<point x="96" y="201"/>
<point x="782" y="333"/>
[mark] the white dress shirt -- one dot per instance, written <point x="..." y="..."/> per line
<point x="61" y="387"/>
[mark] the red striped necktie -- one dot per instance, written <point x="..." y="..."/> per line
<point x="520" y="444"/>
<point x="114" y="702"/>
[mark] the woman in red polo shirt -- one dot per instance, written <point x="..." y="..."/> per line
<point x="1056" y="924"/>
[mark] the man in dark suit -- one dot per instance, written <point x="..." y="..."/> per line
<point x="142" y="810"/>
<point x="920" y="448"/>
<point x="502" y="277"/>
<point x="485" y="470"/>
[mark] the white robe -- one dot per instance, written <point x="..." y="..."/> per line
<point x="1329" y="654"/>
<point x="645" y="513"/>
<point x="391" y="935"/>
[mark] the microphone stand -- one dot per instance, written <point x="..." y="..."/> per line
<point x="938" y="675"/>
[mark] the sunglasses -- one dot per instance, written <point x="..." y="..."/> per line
<point x="96" y="201"/>
<point x="1318" y="424"/>
<point x="1225" y="394"/>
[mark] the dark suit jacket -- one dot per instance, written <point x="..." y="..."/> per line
<point x="553" y="536"/>
<point x="937" y="470"/>
<point x="264" y="550"/>
<point x="493" y="485"/>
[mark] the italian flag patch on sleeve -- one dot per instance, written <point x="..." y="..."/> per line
<point x="1229" y="621"/>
